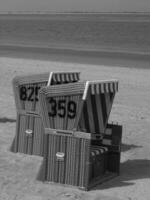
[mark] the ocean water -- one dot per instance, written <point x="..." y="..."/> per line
<point x="99" y="32"/>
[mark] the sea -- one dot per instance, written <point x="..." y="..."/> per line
<point x="108" y="32"/>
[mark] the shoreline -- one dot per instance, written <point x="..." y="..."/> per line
<point x="78" y="55"/>
<point x="70" y="12"/>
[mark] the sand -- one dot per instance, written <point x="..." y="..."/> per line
<point x="131" y="108"/>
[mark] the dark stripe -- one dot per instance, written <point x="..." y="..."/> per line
<point x="57" y="149"/>
<point x="46" y="150"/>
<point x="17" y="132"/>
<point x="61" y="78"/>
<point x="32" y="141"/>
<point x="78" y="76"/>
<point x="113" y="86"/>
<point x="73" y="75"/>
<point x="61" y="163"/>
<point x="104" y="110"/>
<point x="117" y="86"/>
<point x="75" y="78"/>
<point x="26" y="137"/>
<point x="95" y="115"/>
<point x="105" y="86"/>
<point x="89" y="110"/>
<point x="52" y="81"/>
<point x="69" y="78"/>
<point x="65" y="77"/>
<point x="65" y="150"/>
<point x="54" y="76"/>
<point x="55" y="79"/>
<point x="77" y="161"/>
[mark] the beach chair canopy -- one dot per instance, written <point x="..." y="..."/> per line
<point x="83" y="106"/>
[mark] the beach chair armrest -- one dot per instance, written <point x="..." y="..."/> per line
<point x="69" y="133"/>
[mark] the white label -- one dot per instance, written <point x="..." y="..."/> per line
<point x="60" y="156"/>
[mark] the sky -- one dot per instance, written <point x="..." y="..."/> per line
<point x="75" y="5"/>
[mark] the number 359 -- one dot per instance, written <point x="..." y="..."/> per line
<point x="62" y="108"/>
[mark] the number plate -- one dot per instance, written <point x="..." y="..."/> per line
<point x="62" y="108"/>
<point x="29" y="93"/>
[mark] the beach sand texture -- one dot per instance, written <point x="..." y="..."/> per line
<point x="131" y="108"/>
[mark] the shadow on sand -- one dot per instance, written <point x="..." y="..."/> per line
<point x="5" y="119"/>
<point x="131" y="170"/>
<point x="127" y="147"/>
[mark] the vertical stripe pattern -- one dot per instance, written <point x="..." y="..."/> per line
<point x="26" y="89"/>
<point x="98" y="100"/>
<point x="72" y="168"/>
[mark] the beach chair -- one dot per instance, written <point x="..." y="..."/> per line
<point x="81" y="148"/>
<point x="29" y="127"/>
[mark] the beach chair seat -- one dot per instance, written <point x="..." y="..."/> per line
<point x="29" y="127"/>
<point x="75" y="119"/>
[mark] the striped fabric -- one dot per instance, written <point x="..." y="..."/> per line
<point x="97" y="87"/>
<point x="98" y="98"/>
<point x="69" y="158"/>
<point x="59" y="78"/>
<point x="65" y="158"/>
<point x="98" y="157"/>
<point x="26" y="88"/>
<point x="104" y="87"/>
<point x="56" y="78"/>
<point x="91" y="101"/>
<point x="98" y="150"/>
<point x="112" y="137"/>
<point x="26" y="91"/>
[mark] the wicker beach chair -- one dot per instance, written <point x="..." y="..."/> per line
<point x="81" y="148"/>
<point x="29" y="127"/>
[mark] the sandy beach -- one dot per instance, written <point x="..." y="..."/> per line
<point x="131" y="108"/>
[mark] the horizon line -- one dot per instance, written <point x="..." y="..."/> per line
<point x="74" y="12"/>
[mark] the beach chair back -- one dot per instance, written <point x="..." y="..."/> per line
<point x="60" y="105"/>
<point x="26" y="88"/>
<point x="83" y="106"/>
<point x="29" y="127"/>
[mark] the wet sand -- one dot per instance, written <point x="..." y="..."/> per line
<point x="85" y="56"/>
<point x="131" y="108"/>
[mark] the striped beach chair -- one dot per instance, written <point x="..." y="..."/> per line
<point x="29" y="127"/>
<point x="81" y="149"/>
